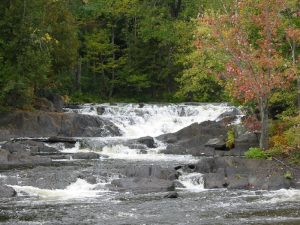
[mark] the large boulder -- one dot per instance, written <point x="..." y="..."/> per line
<point x="141" y="185"/>
<point x="148" y="141"/>
<point x="7" y="192"/>
<point x="209" y="139"/>
<point x="193" y="139"/>
<point x="55" y="101"/>
<point x="241" y="173"/>
<point x="44" y="124"/>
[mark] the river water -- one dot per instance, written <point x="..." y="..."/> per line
<point x="80" y="202"/>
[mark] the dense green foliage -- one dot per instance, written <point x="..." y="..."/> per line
<point x="104" y="50"/>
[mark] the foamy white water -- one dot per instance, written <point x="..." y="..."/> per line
<point x="282" y="195"/>
<point x="123" y="152"/>
<point x="192" y="181"/>
<point x="79" y="189"/>
<point x="153" y="120"/>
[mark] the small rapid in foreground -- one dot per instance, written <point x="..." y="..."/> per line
<point x="75" y="191"/>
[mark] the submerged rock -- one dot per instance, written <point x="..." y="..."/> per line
<point x="100" y="110"/>
<point x="7" y="192"/>
<point x="172" y="194"/>
<point x="148" y="141"/>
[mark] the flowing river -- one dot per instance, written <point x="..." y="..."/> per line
<point x="81" y="202"/>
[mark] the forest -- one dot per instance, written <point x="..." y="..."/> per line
<point x="245" y="52"/>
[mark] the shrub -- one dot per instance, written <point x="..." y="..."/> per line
<point x="286" y="139"/>
<point x="255" y="153"/>
<point x="230" y="139"/>
<point x="288" y="175"/>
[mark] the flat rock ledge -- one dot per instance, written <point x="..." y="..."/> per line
<point x="246" y="174"/>
<point x="48" y="124"/>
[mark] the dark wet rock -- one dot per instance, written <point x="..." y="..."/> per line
<point x="56" y="100"/>
<point x="100" y="110"/>
<point x="216" y="143"/>
<point x="246" y="140"/>
<point x="230" y="114"/>
<point x="192" y="139"/>
<point x="141" y="105"/>
<point x="73" y="106"/>
<point x="172" y="194"/>
<point x="7" y="192"/>
<point x="91" y="179"/>
<point x="208" y="139"/>
<point x="85" y="155"/>
<point x="178" y="184"/>
<point x="141" y="185"/>
<point x="135" y="146"/>
<point x="20" y="159"/>
<point x="57" y="139"/>
<point x="43" y="124"/>
<point x="241" y="173"/>
<point x="148" y="141"/>
<point x="34" y="147"/>
<point x="154" y="171"/>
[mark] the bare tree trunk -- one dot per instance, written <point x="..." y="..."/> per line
<point x="113" y="69"/>
<point x="293" y="48"/>
<point x="78" y="76"/>
<point x="264" y="135"/>
<point x="175" y="8"/>
<point x="236" y="7"/>
<point x="298" y="91"/>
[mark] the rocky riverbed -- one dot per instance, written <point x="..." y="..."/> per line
<point x="139" y="164"/>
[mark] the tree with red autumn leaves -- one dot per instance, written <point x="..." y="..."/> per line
<point x="251" y="37"/>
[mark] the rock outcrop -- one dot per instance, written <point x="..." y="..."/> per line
<point x="145" y="179"/>
<point x="241" y="173"/>
<point x="193" y="139"/>
<point x="20" y="158"/>
<point x="208" y="139"/>
<point x="45" y="124"/>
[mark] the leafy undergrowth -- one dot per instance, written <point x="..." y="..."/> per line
<point x="285" y="140"/>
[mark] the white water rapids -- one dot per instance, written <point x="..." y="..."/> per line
<point x="136" y="120"/>
<point x="147" y="120"/>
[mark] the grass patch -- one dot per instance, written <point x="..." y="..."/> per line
<point x="256" y="153"/>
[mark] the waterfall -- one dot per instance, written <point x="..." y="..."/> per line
<point x="136" y="120"/>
